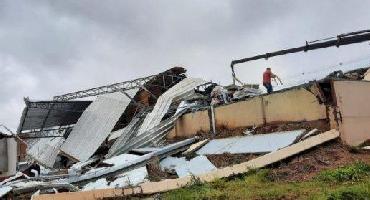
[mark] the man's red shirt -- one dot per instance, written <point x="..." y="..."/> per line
<point x="267" y="77"/>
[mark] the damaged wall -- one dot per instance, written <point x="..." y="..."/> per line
<point x="352" y="99"/>
<point x="297" y="104"/>
<point x="240" y="114"/>
<point x="8" y="156"/>
<point x="191" y="123"/>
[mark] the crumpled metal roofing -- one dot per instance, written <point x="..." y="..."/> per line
<point x="126" y="134"/>
<point x="125" y="166"/>
<point x="45" y="150"/>
<point x="121" y="134"/>
<point x="95" y="124"/>
<point x="176" y="92"/>
<point x="150" y="137"/>
<point x="152" y="130"/>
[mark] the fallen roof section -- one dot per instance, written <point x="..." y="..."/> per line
<point x="164" y="101"/>
<point x="96" y="124"/>
<point x="45" y="150"/>
<point x="171" y="184"/>
<point x="126" y="166"/>
<point x="149" y="137"/>
<point x="261" y="143"/>
<point x="130" y="178"/>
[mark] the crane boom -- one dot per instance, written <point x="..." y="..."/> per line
<point x="339" y="40"/>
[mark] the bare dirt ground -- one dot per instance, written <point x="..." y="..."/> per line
<point x="305" y="166"/>
<point x="321" y="125"/>
<point x="224" y="132"/>
<point x="227" y="159"/>
<point x="155" y="173"/>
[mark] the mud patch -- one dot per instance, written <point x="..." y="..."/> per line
<point x="321" y="125"/>
<point x="227" y="159"/>
<point x="155" y="173"/>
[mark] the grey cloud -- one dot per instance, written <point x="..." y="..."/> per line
<point x="52" y="47"/>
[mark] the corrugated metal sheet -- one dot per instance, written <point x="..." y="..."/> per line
<point x="164" y="101"/>
<point x="95" y="125"/>
<point x="152" y="130"/>
<point x="45" y="150"/>
<point x="126" y="134"/>
<point x="152" y="137"/>
<point x="125" y="166"/>
<point x="262" y="143"/>
<point x="121" y="134"/>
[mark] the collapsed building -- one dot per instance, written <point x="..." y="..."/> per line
<point x="156" y="133"/>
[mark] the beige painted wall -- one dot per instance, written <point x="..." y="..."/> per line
<point x="353" y="98"/>
<point x="240" y="114"/>
<point x="189" y="124"/>
<point x="292" y="105"/>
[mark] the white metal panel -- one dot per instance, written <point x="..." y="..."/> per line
<point x="261" y="143"/>
<point x="45" y="150"/>
<point x="95" y="125"/>
<point x="196" y="166"/>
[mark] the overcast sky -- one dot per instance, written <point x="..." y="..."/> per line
<point x="53" y="47"/>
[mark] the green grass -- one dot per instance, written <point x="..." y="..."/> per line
<point x="353" y="172"/>
<point x="350" y="182"/>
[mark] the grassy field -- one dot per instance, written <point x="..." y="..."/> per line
<point x="348" y="182"/>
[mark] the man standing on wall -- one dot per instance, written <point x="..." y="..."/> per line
<point x="267" y="76"/>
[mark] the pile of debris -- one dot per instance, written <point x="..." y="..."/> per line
<point x="154" y="134"/>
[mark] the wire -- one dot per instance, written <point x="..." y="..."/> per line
<point x="330" y="67"/>
<point x="321" y="73"/>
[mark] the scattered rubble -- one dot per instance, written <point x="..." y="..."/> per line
<point x="157" y="133"/>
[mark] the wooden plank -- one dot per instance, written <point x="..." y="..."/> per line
<point x="171" y="184"/>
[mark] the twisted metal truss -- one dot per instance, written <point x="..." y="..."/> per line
<point x="116" y="87"/>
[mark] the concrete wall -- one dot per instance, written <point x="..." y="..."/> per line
<point x="190" y="124"/>
<point x="293" y="105"/>
<point x="8" y="156"/>
<point x="3" y="155"/>
<point x="240" y="114"/>
<point x="297" y="104"/>
<point x="352" y="99"/>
